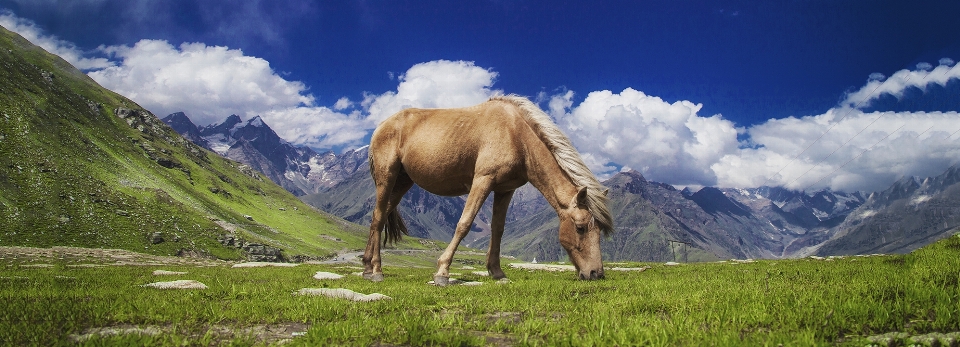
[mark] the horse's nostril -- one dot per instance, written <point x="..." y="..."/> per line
<point x="593" y="274"/>
<point x="582" y="277"/>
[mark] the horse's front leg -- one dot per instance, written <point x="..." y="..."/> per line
<point x="478" y="193"/>
<point x="501" y="201"/>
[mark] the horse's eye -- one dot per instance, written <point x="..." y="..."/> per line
<point x="581" y="229"/>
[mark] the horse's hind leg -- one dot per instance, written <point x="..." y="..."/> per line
<point x="478" y="193"/>
<point x="385" y="177"/>
<point x="501" y="201"/>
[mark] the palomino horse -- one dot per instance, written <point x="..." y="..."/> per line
<point x="496" y="146"/>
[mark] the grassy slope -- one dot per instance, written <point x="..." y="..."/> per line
<point x="72" y="173"/>
<point x="848" y="301"/>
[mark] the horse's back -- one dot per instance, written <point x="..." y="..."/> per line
<point x="444" y="149"/>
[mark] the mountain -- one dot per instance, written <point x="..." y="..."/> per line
<point x="83" y="166"/>
<point x="654" y="221"/>
<point x="300" y="170"/>
<point x="908" y="215"/>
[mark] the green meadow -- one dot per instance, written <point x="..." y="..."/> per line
<point x="887" y="300"/>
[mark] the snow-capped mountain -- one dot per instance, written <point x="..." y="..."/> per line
<point x="653" y="219"/>
<point x="300" y="170"/>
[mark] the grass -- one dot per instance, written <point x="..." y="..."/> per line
<point x="73" y="173"/>
<point x="840" y="301"/>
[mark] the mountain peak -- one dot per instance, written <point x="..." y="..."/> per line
<point x="256" y="122"/>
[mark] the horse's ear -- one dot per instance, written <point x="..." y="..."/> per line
<point x="582" y="196"/>
<point x="606" y="192"/>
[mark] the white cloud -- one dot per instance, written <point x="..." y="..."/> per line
<point x="435" y="84"/>
<point x="318" y="127"/>
<point x="667" y="142"/>
<point x="66" y="50"/>
<point x="901" y="80"/>
<point x="864" y="151"/>
<point x="207" y="82"/>
<point x="342" y="104"/>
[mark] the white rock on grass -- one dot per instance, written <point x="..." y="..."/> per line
<point x="457" y="282"/>
<point x="167" y="273"/>
<point x="671" y="263"/>
<point x="342" y="293"/>
<point x="547" y="267"/>
<point x="179" y="284"/>
<point x="481" y="273"/>
<point x="264" y="264"/>
<point x="320" y="275"/>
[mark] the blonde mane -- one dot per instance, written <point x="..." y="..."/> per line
<point x="567" y="157"/>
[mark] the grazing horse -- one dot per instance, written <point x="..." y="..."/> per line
<point x="496" y="146"/>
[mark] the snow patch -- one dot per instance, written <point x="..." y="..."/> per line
<point x="921" y="199"/>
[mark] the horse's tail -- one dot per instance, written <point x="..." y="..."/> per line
<point x="394" y="229"/>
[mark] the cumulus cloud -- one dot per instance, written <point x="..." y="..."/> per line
<point x="209" y="82"/>
<point x="667" y="142"/>
<point x="435" y="84"/>
<point x="318" y="127"/>
<point x="842" y="149"/>
<point x="66" y="50"/>
<point x="863" y="151"/>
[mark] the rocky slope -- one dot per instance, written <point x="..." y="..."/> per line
<point x="299" y="170"/>
<point x="908" y="215"/>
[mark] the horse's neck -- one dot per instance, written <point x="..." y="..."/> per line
<point x="545" y="174"/>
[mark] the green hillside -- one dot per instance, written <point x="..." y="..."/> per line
<point x="83" y="166"/>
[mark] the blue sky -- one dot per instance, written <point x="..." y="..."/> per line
<point x="734" y="94"/>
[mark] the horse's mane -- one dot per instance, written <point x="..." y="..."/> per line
<point x="567" y="157"/>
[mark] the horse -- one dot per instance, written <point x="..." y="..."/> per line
<point x="496" y="146"/>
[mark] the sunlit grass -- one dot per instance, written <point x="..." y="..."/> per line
<point x="794" y="302"/>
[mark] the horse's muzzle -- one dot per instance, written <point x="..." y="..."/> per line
<point x="592" y="275"/>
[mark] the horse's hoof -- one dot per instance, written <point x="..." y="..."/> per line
<point x="373" y="277"/>
<point x="442" y="281"/>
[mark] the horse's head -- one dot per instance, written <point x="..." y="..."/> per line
<point x="580" y="236"/>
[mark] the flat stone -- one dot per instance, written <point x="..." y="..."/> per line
<point x="167" y="273"/>
<point x="320" y="275"/>
<point x="342" y="293"/>
<point x="546" y="267"/>
<point x="264" y="264"/>
<point x="179" y="284"/>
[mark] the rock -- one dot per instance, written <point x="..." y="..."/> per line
<point x="320" y="275"/>
<point x="341" y="293"/>
<point x="455" y="282"/>
<point x="166" y="273"/>
<point x="179" y="284"/>
<point x="248" y="217"/>
<point x="546" y="267"/>
<point x="263" y="264"/>
<point x="671" y="263"/>
<point x="258" y="252"/>
<point x="156" y="238"/>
